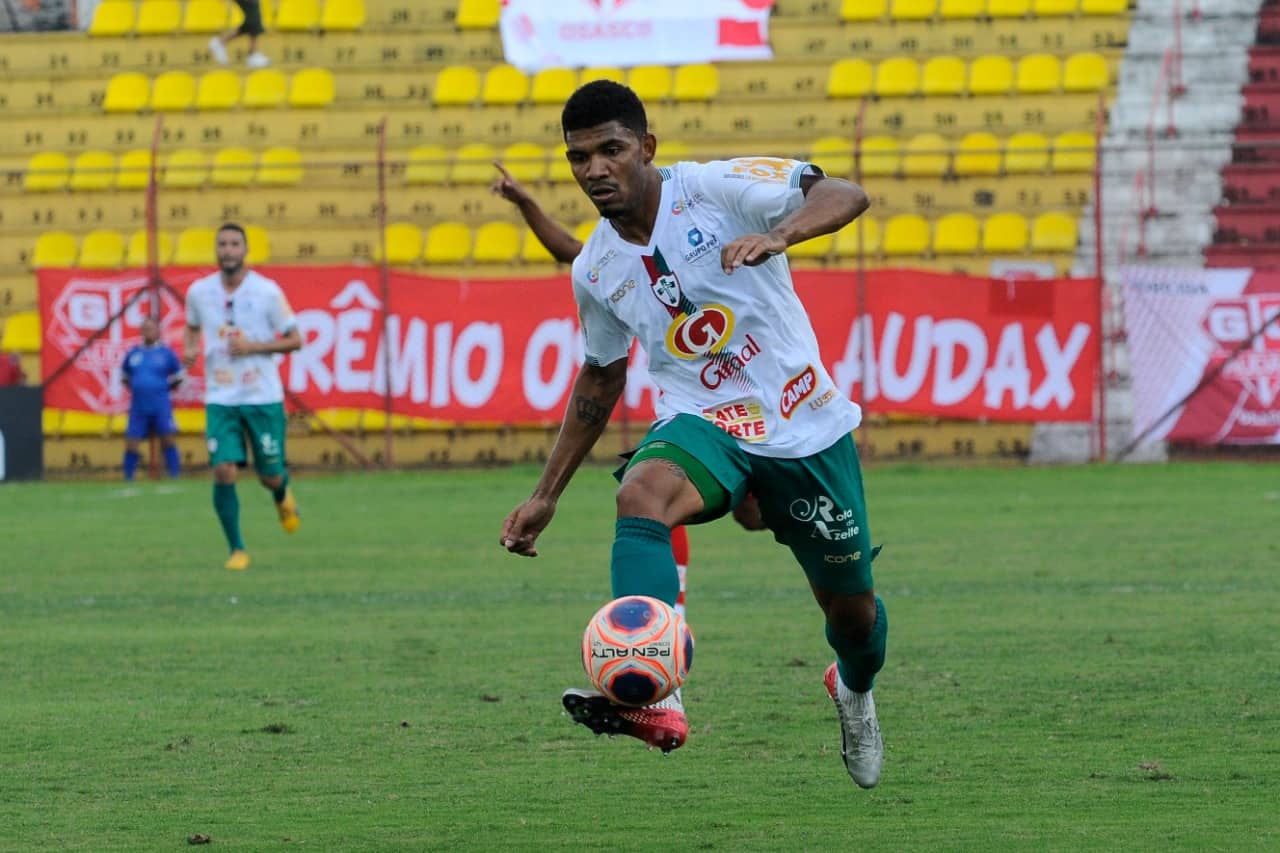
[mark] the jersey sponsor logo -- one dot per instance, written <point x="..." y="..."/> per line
<point x="667" y="288"/>
<point x="727" y="365"/>
<point x="703" y="245"/>
<point x="797" y="389"/>
<point x="680" y="205"/>
<point x="826" y="397"/>
<point x="706" y="331"/>
<point x="593" y="275"/>
<point x="772" y="170"/>
<point x="623" y="289"/>
<point x="832" y="523"/>
<point x="742" y="419"/>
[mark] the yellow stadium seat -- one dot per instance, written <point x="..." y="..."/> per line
<point x="54" y="249"/>
<point x="126" y="93"/>
<point x="526" y="161"/>
<point x="1104" y="7"/>
<point x="113" y="18"/>
<point x="102" y="249"/>
<point x="943" y="75"/>
<point x="813" y="248"/>
<point x="1008" y="8"/>
<point x="93" y="170"/>
<point x="1054" y="232"/>
<point x="263" y="88"/>
<point x="496" y="243"/>
<point x="991" y="75"/>
<point x="84" y="423"/>
<point x="962" y="9"/>
<point x="697" y="82"/>
<point x="601" y="72"/>
<point x="1004" y="233"/>
<point x="47" y="171"/>
<point x="650" y="82"/>
<point x="906" y="234"/>
<point x="185" y="167"/>
<point x="189" y="421"/>
<point x="473" y="164"/>
<point x="1085" y="72"/>
<point x="582" y="231"/>
<point x="447" y="243"/>
<point x="311" y="87"/>
<point x="136" y="252"/>
<point x="913" y="10"/>
<point x="553" y="85"/>
<point x="428" y="164"/>
<point x="218" y="90"/>
<point x="863" y="10"/>
<point x="1038" y="73"/>
<point x="1026" y="153"/>
<point x="279" y="166"/>
<point x="850" y="239"/>
<point x="532" y="251"/>
<point x="1054" y="8"/>
<point x="849" y="78"/>
<point x="897" y="77"/>
<point x="881" y="155"/>
<point x="956" y="234"/>
<point x="404" y="243"/>
<point x="297" y="15"/>
<point x="457" y="84"/>
<point x="558" y="167"/>
<point x="834" y="154"/>
<point x="338" y="420"/>
<point x="195" y="247"/>
<point x="478" y="14"/>
<point x="342" y="15"/>
<point x="21" y="332"/>
<point x="135" y="170"/>
<point x="51" y="422"/>
<point x="206" y="16"/>
<point x="1073" y="151"/>
<point x="504" y="84"/>
<point x="926" y="155"/>
<point x="670" y="153"/>
<point x="259" y="244"/>
<point x="173" y="91"/>
<point x="979" y="154"/>
<point x="158" y="17"/>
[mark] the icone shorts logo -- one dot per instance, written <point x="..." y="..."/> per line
<point x="703" y="332"/>
<point x="829" y="521"/>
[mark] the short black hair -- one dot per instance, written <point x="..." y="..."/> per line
<point x="602" y="101"/>
<point x="231" y="226"/>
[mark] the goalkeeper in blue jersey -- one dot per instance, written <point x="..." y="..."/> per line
<point x="150" y="371"/>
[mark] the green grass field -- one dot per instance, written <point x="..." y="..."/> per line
<point x="1079" y="659"/>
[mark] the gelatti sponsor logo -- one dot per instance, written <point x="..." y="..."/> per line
<point x="703" y="245"/>
<point x="593" y="275"/>
<point x="829" y="522"/>
<point x="797" y="390"/>
<point x="704" y="332"/>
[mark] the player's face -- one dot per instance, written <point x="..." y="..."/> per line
<point x="231" y="250"/>
<point x="150" y="330"/>
<point x="609" y="163"/>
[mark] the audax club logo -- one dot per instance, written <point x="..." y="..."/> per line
<point x="1251" y="319"/>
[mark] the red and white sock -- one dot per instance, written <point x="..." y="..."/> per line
<point x="680" y="550"/>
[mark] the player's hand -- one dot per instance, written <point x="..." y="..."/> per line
<point x="188" y="360"/>
<point x="239" y="346"/>
<point x="508" y="187"/>
<point x="521" y="528"/>
<point x="750" y="250"/>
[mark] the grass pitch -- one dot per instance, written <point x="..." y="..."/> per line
<point x="1083" y="659"/>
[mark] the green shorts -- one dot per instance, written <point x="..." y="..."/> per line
<point x="264" y="424"/>
<point x="814" y="505"/>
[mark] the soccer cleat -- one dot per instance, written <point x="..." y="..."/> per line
<point x="663" y="725"/>
<point x="288" y="511"/>
<point x="860" y="741"/>
<point x="219" y="50"/>
<point x="238" y="561"/>
<point x="257" y="60"/>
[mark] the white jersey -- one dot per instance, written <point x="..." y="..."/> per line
<point x="736" y="349"/>
<point x="255" y="311"/>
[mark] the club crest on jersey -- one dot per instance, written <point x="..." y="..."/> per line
<point x="667" y="288"/>
<point x="704" y="332"/>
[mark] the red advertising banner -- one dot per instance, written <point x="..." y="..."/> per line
<point x="507" y="350"/>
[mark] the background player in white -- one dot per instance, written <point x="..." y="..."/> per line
<point x="690" y="259"/>
<point x="245" y="320"/>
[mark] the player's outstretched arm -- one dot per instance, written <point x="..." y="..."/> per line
<point x="829" y="205"/>
<point x="595" y="393"/>
<point x="562" y="245"/>
<point x="190" y="346"/>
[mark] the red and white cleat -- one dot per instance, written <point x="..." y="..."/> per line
<point x="662" y="725"/>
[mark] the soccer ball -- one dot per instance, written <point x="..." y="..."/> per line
<point x="637" y="650"/>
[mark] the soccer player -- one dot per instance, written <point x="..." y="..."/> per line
<point x="691" y="260"/>
<point x="252" y="27"/>
<point x="245" y="320"/>
<point x="150" y="371"/>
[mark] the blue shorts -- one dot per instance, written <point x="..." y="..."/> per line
<point x="144" y="424"/>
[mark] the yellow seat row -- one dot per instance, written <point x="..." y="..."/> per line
<point x="53" y="171"/>
<point x="21" y="332"/>
<point x="911" y="235"/>
<point x="177" y="91"/>
<point x="506" y="84"/>
<point x="921" y="10"/>
<point x="978" y="153"/>
<point x="455" y="243"/>
<point x="66" y="422"/>
<point x="1034" y="74"/>
<point x="104" y="248"/>
<point x="165" y="17"/>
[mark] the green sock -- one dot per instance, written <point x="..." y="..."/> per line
<point x="278" y="493"/>
<point x="859" y="663"/>
<point x="227" y="505"/>
<point x="642" y="563"/>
